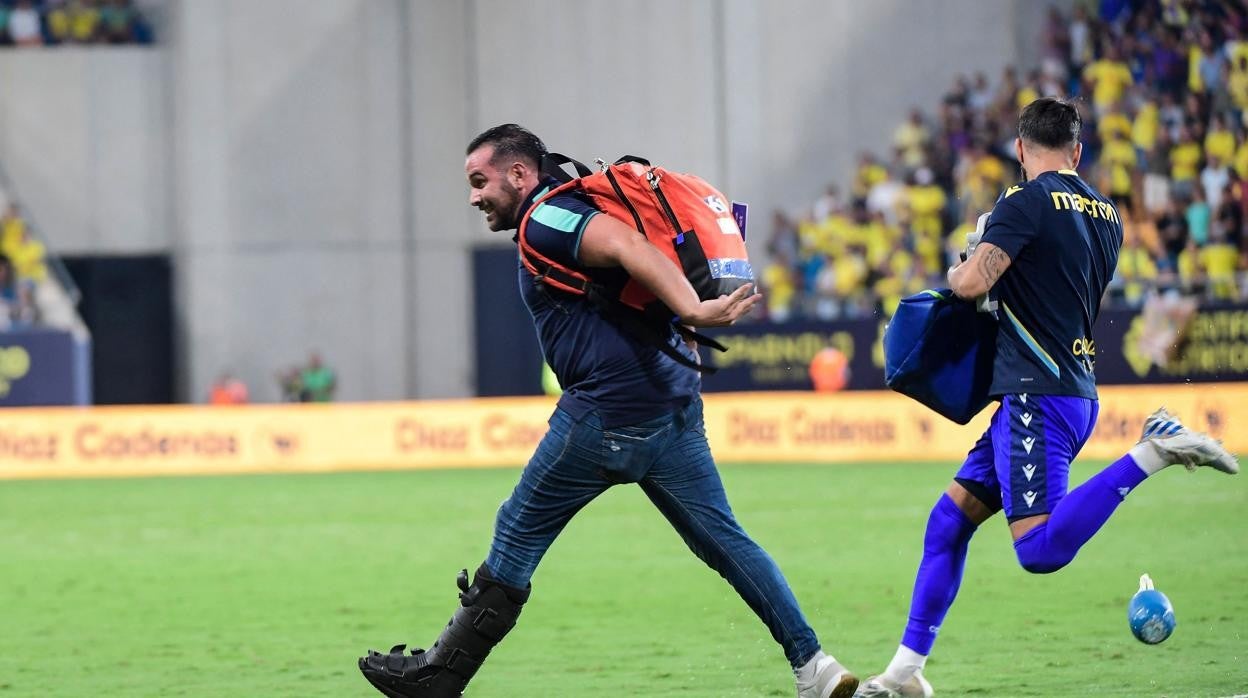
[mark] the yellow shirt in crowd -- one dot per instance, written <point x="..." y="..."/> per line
<point x="926" y="204"/>
<point x="1144" y="128"/>
<point x="1114" y="125"/>
<point x="1109" y="80"/>
<point x="1220" y="143"/>
<point x="1135" y="266"/>
<point x="1119" y="154"/>
<point x="867" y="177"/>
<point x="1220" y="261"/>
<point x="1241" y="160"/>
<point x="778" y="283"/>
<point x="1184" y="158"/>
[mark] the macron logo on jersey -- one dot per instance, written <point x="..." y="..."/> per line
<point x="1030" y="497"/>
<point x="1029" y="470"/>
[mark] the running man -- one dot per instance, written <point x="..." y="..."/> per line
<point x="629" y="413"/>
<point x="1049" y="249"/>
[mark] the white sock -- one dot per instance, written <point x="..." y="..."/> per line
<point x="905" y="663"/>
<point x="1147" y="458"/>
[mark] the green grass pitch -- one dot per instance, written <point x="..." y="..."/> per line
<point x="273" y="585"/>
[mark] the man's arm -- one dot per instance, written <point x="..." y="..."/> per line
<point x="975" y="276"/>
<point x="607" y="242"/>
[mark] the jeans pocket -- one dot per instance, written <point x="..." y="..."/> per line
<point x="629" y="451"/>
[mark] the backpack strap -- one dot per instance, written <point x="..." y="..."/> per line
<point x="701" y="339"/>
<point x="543" y="268"/>
<point x="625" y="159"/>
<point x="552" y="166"/>
<point x="652" y="334"/>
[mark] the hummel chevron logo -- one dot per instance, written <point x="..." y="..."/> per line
<point x="1029" y="497"/>
<point x="1028" y="442"/>
<point x="1026" y="417"/>
<point x="1029" y="470"/>
<point x="1023" y="398"/>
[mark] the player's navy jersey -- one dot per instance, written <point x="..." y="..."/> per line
<point x="1062" y="238"/>
<point x="599" y="364"/>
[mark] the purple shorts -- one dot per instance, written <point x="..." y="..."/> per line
<point x="1022" y="463"/>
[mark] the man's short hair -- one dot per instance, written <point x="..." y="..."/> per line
<point x="1050" y="123"/>
<point x="511" y="142"/>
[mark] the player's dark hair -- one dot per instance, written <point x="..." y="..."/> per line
<point x="1050" y="123"/>
<point x="511" y="142"/>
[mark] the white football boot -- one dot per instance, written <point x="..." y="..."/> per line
<point x="878" y="687"/>
<point x="1178" y="445"/>
<point x="830" y="679"/>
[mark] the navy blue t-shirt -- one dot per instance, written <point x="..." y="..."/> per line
<point x="599" y="364"/>
<point x="1062" y="238"/>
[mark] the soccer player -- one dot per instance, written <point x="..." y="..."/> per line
<point x="628" y="414"/>
<point x="1048" y="250"/>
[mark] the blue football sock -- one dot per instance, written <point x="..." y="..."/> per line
<point x="940" y="573"/>
<point x="1077" y="517"/>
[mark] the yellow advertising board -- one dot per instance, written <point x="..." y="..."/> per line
<point x="743" y="427"/>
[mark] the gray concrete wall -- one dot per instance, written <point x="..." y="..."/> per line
<point x="303" y="160"/>
<point x="83" y="135"/>
<point x="288" y="233"/>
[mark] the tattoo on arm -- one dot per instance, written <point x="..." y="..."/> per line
<point x="993" y="265"/>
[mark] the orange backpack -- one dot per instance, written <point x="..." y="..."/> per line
<point x="682" y="215"/>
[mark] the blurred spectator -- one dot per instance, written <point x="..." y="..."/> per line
<point x="1214" y="180"/>
<point x="1080" y="39"/>
<point x="1219" y="141"/>
<point x="24" y="27"/>
<point x="979" y="99"/>
<point x="288" y="382"/>
<point x="777" y="278"/>
<point x="317" y="382"/>
<point x="1136" y="270"/>
<point x="1109" y="78"/>
<point x="5" y="11"/>
<point x="912" y="137"/>
<point x="118" y="20"/>
<point x="227" y="390"/>
<point x="17" y="308"/>
<point x="8" y="295"/>
<point x="826" y="205"/>
<point x="1209" y="61"/>
<point x="26" y="253"/>
<point x="1172" y="228"/>
<point x="1198" y="216"/>
<point x="870" y="173"/>
<point x="1220" y="261"/>
<point x="1185" y="158"/>
<point x="1237" y="87"/>
<point x="76" y="21"/>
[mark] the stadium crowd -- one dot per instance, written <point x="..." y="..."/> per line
<point x="26" y="23"/>
<point x="1162" y="86"/>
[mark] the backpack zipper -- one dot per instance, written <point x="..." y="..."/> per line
<point x="653" y="179"/>
<point x="619" y="193"/>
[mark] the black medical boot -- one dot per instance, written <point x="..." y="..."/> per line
<point x="487" y="611"/>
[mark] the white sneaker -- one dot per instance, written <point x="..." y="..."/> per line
<point x="830" y="680"/>
<point x="1177" y="444"/>
<point x="878" y="687"/>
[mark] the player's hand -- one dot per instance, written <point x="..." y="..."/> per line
<point x="725" y="310"/>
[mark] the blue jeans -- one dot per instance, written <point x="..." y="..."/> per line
<point x="671" y="460"/>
